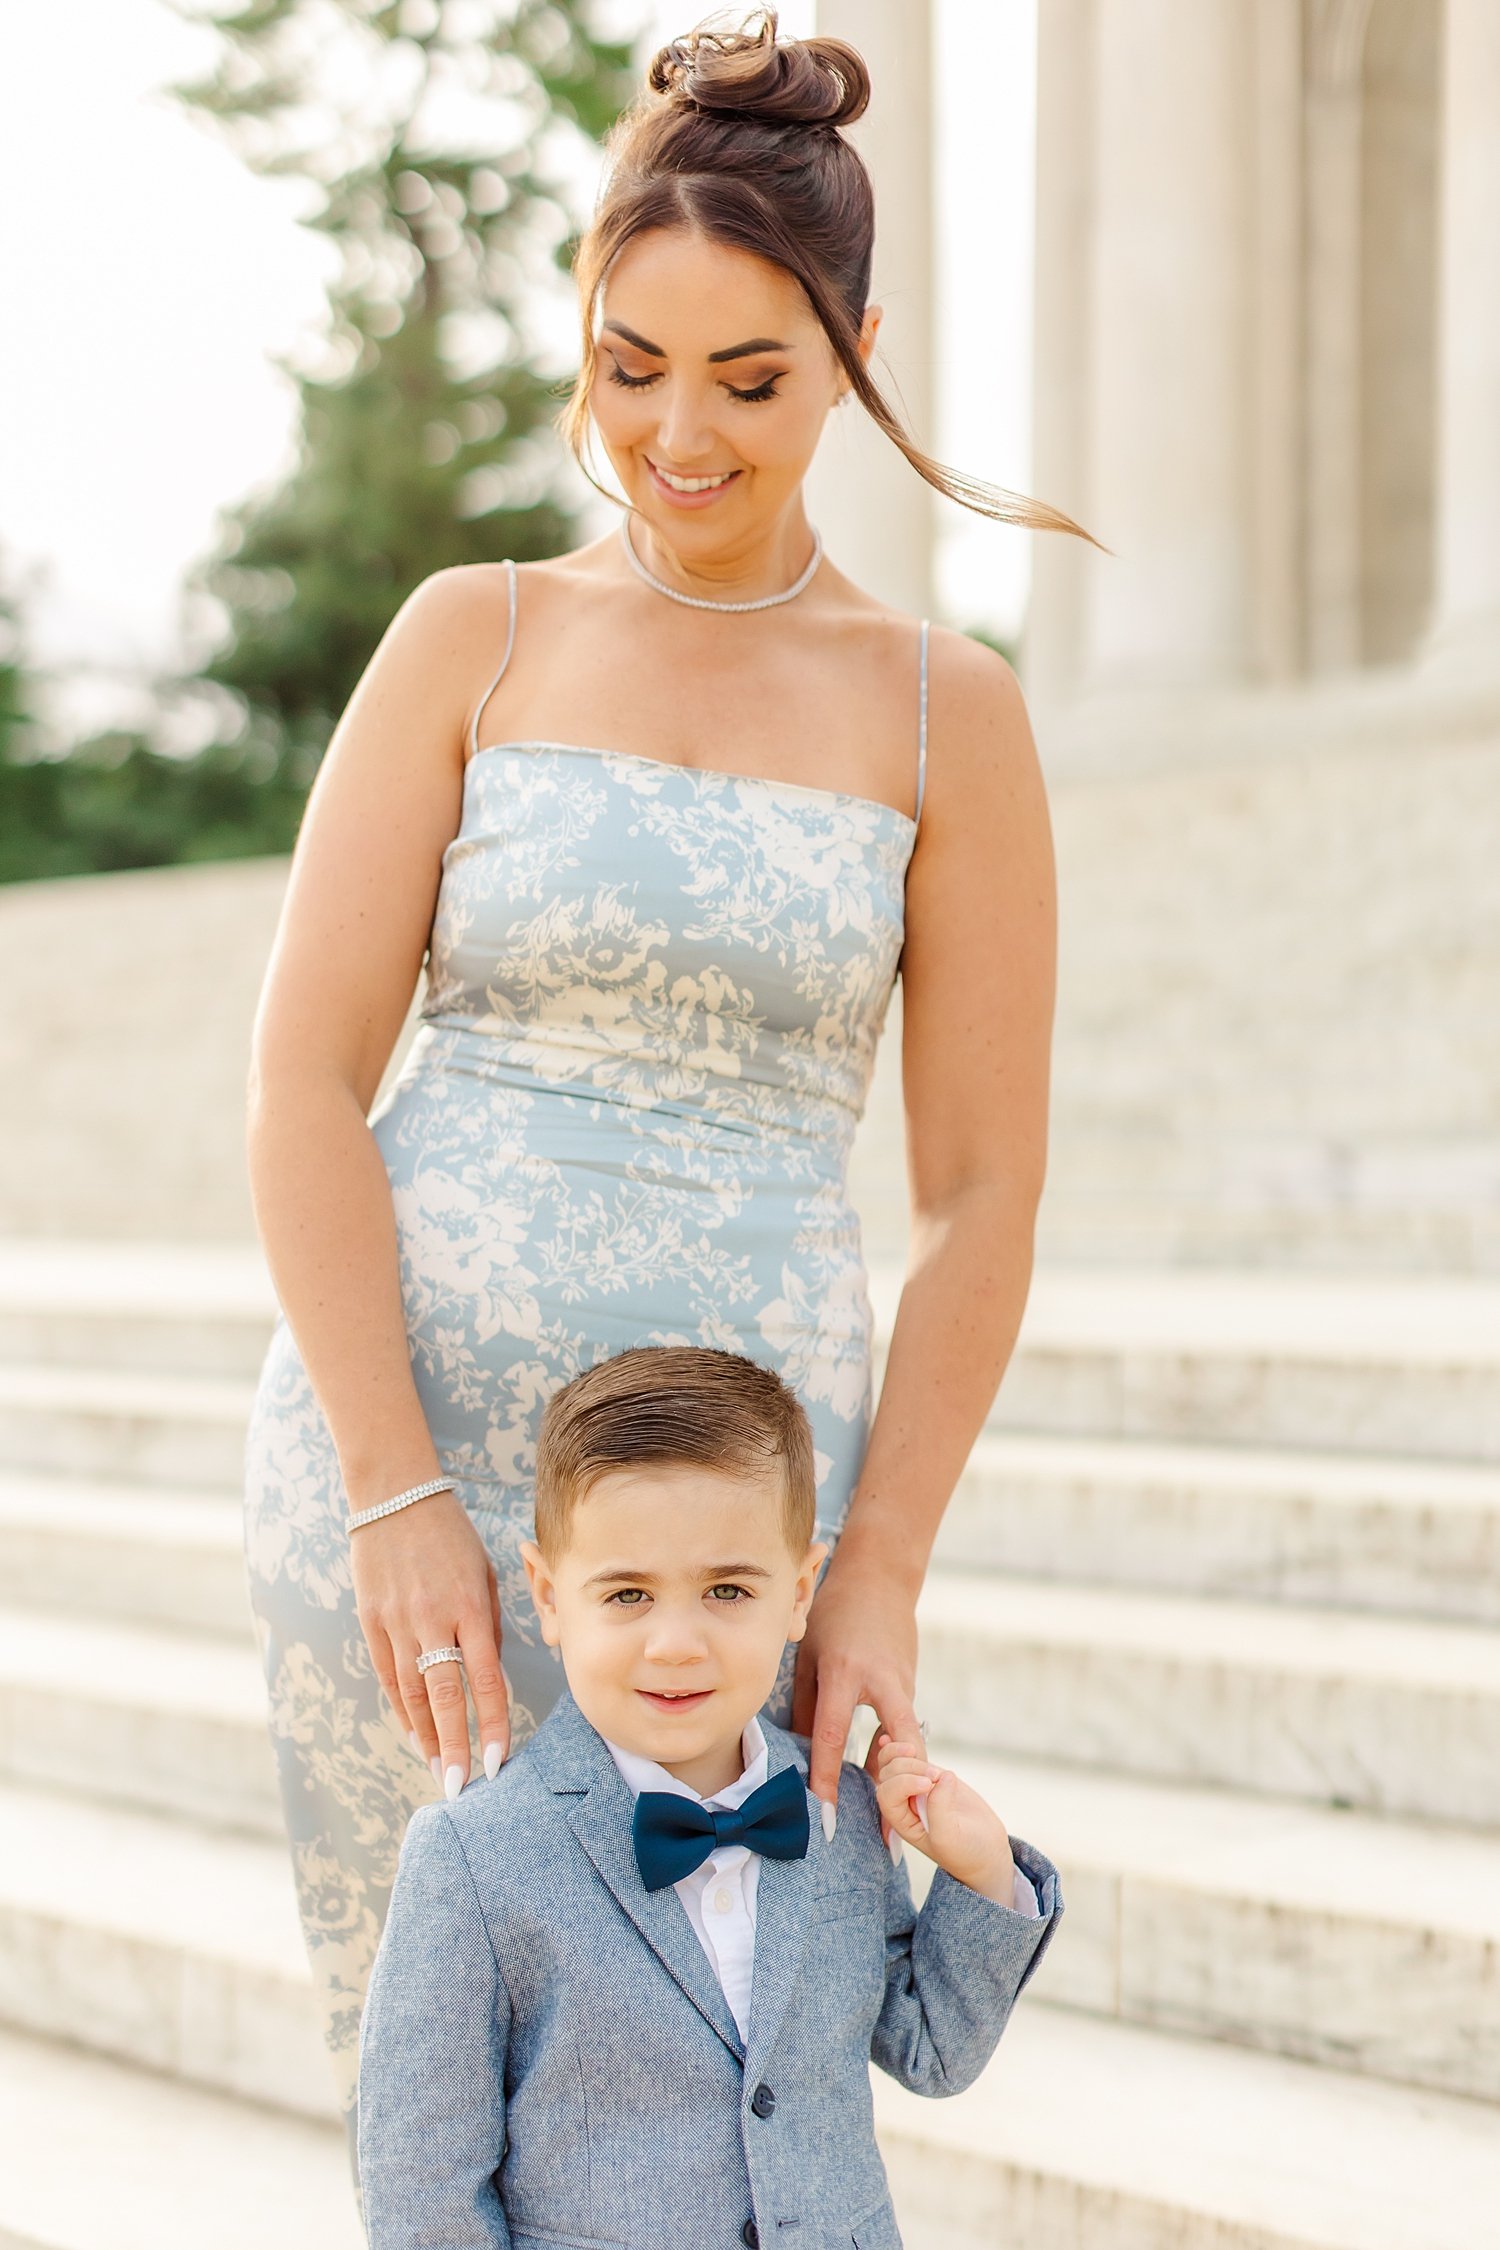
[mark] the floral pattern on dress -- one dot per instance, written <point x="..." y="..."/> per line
<point x="654" y="998"/>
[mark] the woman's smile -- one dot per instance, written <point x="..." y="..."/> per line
<point x="691" y="498"/>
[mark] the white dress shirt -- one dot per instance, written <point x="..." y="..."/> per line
<point x="719" y="1895"/>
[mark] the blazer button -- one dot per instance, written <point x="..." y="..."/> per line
<point x="763" y="2101"/>
<point x="750" y="2233"/>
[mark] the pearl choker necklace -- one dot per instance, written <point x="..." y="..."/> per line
<point x="697" y="601"/>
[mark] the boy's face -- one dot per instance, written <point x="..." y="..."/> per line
<point x="671" y="1605"/>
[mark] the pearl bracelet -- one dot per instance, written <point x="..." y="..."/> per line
<point x="402" y="1500"/>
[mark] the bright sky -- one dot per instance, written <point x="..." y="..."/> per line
<point x="148" y="277"/>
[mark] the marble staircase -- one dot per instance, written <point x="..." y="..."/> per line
<point x="1212" y="1621"/>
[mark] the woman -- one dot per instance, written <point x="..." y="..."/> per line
<point x="663" y="810"/>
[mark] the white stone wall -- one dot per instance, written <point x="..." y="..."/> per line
<point x="124" y="1049"/>
<point x="1280" y="997"/>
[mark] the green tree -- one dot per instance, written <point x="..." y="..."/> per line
<point x="20" y="726"/>
<point x="27" y="787"/>
<point x="114" y="800"/>
<point x="441" y="141"/>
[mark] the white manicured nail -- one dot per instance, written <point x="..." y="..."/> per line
<point x="830" y="1819"/>
<point x="411" y="1736"/>
<point x="436" y="1764"/>
<point x="493" y="1759"/>
<point x="454" y="1780"/>
<point x="895" y="1849"/>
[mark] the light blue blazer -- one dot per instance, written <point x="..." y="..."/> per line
<point x="547" y="2061"/>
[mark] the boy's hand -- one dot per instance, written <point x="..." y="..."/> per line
<point x="963" y="1834"/>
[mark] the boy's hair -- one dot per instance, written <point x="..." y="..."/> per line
<point x="665" y="1405"/>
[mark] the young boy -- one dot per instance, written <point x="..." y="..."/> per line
<point x="628" y="1992"/>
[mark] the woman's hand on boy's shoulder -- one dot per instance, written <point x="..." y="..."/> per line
<point x="964" y="1835"/>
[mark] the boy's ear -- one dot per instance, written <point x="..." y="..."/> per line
<point x="807" y="1581"/>
<point x="543" y="1595"/>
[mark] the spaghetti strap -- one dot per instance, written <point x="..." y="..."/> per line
<point x="505" y="659"/>
<point x="922" y="728"/>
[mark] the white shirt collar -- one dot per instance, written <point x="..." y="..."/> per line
<point x="644" y="1773"/>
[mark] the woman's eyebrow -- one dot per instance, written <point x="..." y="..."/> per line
<point x="732" y="351"/>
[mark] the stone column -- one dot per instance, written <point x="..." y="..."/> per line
<point x="1335" y="49"/>
<point x="1062" y="358"/>
<point x="1466" y="609"/>
<point x="1171" y="359"/>
<point x="1275" y="353"/>
<point x="877" y="516"/>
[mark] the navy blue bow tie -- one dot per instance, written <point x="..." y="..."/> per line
<point x="673" y="1835"/>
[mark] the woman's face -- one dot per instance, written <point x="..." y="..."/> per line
<point x="675" y="390"/>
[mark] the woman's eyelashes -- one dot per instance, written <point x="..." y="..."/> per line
<point x="764" y="390"/>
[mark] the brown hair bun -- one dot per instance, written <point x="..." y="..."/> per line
<point x="751" y="74"/>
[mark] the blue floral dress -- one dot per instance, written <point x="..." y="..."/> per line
<point x="654" y="998"/>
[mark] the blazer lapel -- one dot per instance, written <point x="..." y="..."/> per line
<point x="783" y="1911"/>
<point x="577" y="1763"/>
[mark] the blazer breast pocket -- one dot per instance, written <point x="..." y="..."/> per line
<point x="840" y="1902"/>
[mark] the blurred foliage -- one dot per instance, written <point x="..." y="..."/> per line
<point x="19" y="726"/>
<point x="114" y="802"/>
<point x="440" y="143"/>
<point x="430" y="134"/>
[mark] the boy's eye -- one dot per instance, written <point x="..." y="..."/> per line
<point x="631" y="1597"/>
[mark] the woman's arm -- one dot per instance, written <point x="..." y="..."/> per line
<point x="350" y="942"/>
<point x="978" y="975"/>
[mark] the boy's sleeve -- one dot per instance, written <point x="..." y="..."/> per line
<point x="432" y="2048"/>
<point x="954" y="1971"/>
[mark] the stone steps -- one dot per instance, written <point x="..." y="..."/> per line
<point x="176" y="1308"/>
<point x="1390" y="1714"/>
<point x="124" y="1422"/>
<point x="1451" y="1226"/>
<point x="98" y="2153"/>
<point x="138" y="1715"/>
<point x="1349" y="1531"/>
<point x="1327" y="1936"/>
<point x="105" y="1547"/>
<point x="159" y="1943"/>
<point x="1346" y="1530"/>
<point x="1191" y="1907"/>
<point x="196" y="1967"/>
<point x="1404" y="1365"/>
<point x="1084" y="2135"/>
<point x="1401" y="1364"/>
<point x="1211" y="1620"/>
<point x="1331" y="1706"/>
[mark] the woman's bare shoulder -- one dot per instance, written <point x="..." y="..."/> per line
<point x="455" y="594"/>
<point x="978" y="722"/>
<point x="474" y="594"/>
